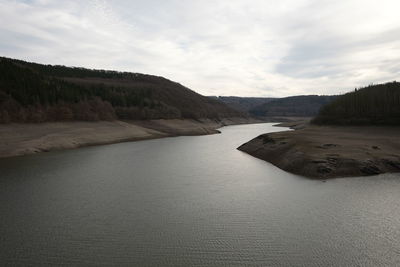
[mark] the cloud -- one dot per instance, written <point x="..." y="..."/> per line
<point x="236" y="47"/>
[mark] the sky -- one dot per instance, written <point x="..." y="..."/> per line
<point x="215" y="47"/>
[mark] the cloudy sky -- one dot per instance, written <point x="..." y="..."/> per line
<point x="215" y="47"/>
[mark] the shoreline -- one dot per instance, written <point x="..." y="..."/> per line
<point x="323" y="152"/>
<point x="23" y="139"/>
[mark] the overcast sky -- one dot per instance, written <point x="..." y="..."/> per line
<point x="215" y="47"/>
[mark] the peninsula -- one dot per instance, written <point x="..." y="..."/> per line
<point x="357" y="134"/>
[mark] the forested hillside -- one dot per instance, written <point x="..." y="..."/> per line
<point x="294" y="106"/>
<point x="244" y="104"/>
<point x="31" y="92"/>
<point x="375" y="104"/>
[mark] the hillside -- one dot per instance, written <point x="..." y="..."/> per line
<point x="375" y="104"/>
<point x="31" y="92"/>
<point x="244" y="104"/>
<point x="359" y="136"/>
<point x="294" y="106"/>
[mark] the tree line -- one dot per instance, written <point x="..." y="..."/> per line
<point x="374" y="104"/>
<point x="31" y="92"/>
<point x="293" y="106"/>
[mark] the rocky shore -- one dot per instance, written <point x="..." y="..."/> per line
<point x="22" y="139"/>
<point x="330" y="152"/>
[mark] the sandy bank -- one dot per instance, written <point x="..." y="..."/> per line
<point x="22" y="139"/>
<point x="328" y="152"/>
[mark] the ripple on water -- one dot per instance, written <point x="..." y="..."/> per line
<point x="190" y="201"/>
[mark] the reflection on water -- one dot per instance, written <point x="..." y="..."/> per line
<point x="190" y="201"/>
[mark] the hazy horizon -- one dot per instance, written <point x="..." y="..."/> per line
<point x="221" y="48"/>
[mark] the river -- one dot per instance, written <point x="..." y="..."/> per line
<point x="192" y="200"/>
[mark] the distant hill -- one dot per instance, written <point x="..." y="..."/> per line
<point x="294" y="106"/>
<point x="375" y="104"/>
<point x="31" y="92"/>
<point x="244" y="104"/>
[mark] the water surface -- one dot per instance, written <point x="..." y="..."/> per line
<point x="190" y="201"/>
